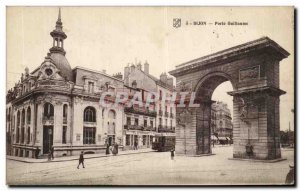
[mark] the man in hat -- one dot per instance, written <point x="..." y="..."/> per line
<point x="81" y="160"/>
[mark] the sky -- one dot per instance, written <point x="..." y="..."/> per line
<point x="111" y="37"/>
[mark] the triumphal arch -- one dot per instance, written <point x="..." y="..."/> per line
<point x="253" y="70"/>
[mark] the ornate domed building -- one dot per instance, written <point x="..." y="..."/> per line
<point x="58" y="106"/>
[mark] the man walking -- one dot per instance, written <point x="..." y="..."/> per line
<point x="117" y="148"/>
<point x="135" y="145"/>
<point x="81" y="160"/>
<point x="172" y="153"/>
<point x="37" y="152"/>
<point x="52" y="153"/>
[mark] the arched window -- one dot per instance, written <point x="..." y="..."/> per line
<point x="111" y="126"/>
<point x="23" y="117"/>
<point x="28" y="115"/>
<point x="18" y="127"/>
<point x="22" y="126"/>
<point x="48" y="110"/>
<point x="89" y="114"/>
<point x="65" y="110"/>
<point x="18" y="119"/>
<point x="112" y="114"/>
<point x="28" y="135"/>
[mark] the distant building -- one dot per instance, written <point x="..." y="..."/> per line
<point x="221" y="122"/>
<point x="287" y="138"/>
<point x="142" y="124"/>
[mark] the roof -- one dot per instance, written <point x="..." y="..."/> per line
<point x="61" y="62"/>
<point x="98" y="72"/>
<point x="261" y="43"/>
<point x="158" y="81"/>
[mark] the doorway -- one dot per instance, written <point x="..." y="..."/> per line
<point x="111" y="140"/>
<point x="47" y="139"/>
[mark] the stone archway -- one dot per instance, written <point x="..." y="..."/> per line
<point x="253" y="70"/>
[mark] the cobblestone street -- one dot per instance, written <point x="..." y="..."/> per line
<point x="152" y="168"/>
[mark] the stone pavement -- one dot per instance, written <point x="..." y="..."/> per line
<point x="75" y="157"/>
<point x="153" y="168"/>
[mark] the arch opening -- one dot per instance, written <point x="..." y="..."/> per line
<point x="213" y="116"/>
<point x="222" y="117"/>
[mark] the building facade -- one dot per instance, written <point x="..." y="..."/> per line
<point x="221" y="122"/>
<point x="143" y="123"/>
<point x="58" y="106"/>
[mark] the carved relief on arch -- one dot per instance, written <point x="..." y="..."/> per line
<point x="184" y="86"/>
<point x="250" y="73"/>
<point x="184" y="118"/>
<point x="248" y="106"/>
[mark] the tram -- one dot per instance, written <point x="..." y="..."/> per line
<point x="163" y="143"/>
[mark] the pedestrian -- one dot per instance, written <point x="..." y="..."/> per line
<point x="52" y="153"/>
<point x="37" y="152"/>
<point x="107" y="149"/>
<point x="290" y="177"/>
<point x="135" y="145"/>
<point x="117" y="148"/>
<point x="49" y="156"/>
<point x="110" y="149"/>
<point x="172" y="153"/>
<point x="114" y="151"/>
<point x="81" y="160"/>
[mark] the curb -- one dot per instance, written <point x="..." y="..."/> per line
<point x="65" y="160"/>
<point x="256" y="160"/>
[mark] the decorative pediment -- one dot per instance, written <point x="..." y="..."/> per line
<point x="48" y="70"/>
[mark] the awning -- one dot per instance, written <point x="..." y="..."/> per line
<point x="212" y="137"/>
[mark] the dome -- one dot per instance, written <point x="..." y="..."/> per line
<point x="62" y="64"/>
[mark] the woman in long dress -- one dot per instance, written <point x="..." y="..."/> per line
<point x="114" y="151"/>
<point x="107" y="149"/>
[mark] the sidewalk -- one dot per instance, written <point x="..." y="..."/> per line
<point x="71" y="158"/>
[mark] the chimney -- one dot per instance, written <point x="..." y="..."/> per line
<point x="26" y="71"/>
<point x="146" y="67"/>
<point x="170" y="81"/>
<point x="126" y="71"/>
<point x="163" y="77"/>
<point x="132" y="68"/>
<point x="118" y="75"/>
<point x="139" y="66"/>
